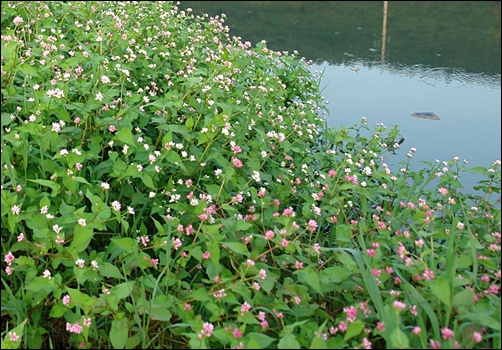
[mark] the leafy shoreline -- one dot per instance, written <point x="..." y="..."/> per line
<point x="165" y="185"/>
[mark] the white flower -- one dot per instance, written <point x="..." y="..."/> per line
<point x="47" y="274"/>
<point x="82" y="222"/>
<point x="80" y="263"/>
<point x="94" y="264"/>
<point x="18" y="20"/>
<point x="15" y="209"/>
<point x="116" y="205"/>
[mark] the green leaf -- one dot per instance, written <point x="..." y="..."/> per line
<point x="256" y="340"/>
<point x="463" y="300"/>
<point x="399" y="339"/>
<point x="80" y="299"/>
<point x="353" y="330"/>
<point x="119" y="333"/>
<point x="51" y="184"/>
<point x="189" y="123"/>
<point x="129" y="245"/>
<point x="318" y="343"/>
<point x="238" y="248"/>
<point x="288" y="342"/>
<point x="310" y="276"/>
<point x="214" y="249"/>
<point x="200" y="295"/>
<point x="122" y="290"/>
<point x="81" y="238"/>
<point x="119" y="292"/>
<point x="19" y="330"/>
<point x="109" y="270"/>
<point x="441" y="288"/>
<point x="147" y="180"/>
<point x="28" y="70"/>
<point x="125" y="136"/>
<point x="335" y="274"/>
<point x="65" y="209"/>
<point x="159" y="309"/>
<point x="57" y="310"/>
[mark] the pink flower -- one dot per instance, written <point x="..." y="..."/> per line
<point x="13" y="337"/>
<point x="206" y="255"/>
<point x="17" y="21"/>
<point x="245" y="307"/>
<point x="417" y="330"/>
<point x="74" y="328"/>
<point x="399" y="305"/>
<point x="207" y="330"/>
<point x="429" y="274"/>
<point x="112" y="128"/>
<point x="351" y="313"/>
<point x="312" y="225"/>
<point x="237" y="162"/>
<point x="477" y="337"/>
<point x="269" y="234"/>
<point x="9" y="258"/>
<point x="176" y="243"/>
<point x="66" y="300"/>
<point x="434" y="344"/>
<point x="447" y="333"/>
<point x="237" y="333"/>
<point x="443" y="190"/>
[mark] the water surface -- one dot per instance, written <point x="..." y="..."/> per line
<point x="386" y="64"/>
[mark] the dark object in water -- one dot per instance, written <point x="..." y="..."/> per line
<point x="426" y="115"/>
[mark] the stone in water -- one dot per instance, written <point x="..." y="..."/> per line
<point x="426" y="115"/>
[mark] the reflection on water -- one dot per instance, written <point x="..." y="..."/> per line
<point x="385" y="64"/>
<point x="445" y="75"/>
<point x="458" y="34"/>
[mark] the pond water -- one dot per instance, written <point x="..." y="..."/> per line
<point x="387" y="60"/>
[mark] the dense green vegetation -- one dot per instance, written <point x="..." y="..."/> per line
<point x="165" y="185"/>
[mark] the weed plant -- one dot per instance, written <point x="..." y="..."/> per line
<point x="166" y="185"/>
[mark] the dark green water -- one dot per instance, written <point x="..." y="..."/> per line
<point x="456" y="34"/>
<point x="423" y="56"/>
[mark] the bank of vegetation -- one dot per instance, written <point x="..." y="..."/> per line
<point x="166" y="185"/>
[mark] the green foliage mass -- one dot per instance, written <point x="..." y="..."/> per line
<point x="165" y="185"/>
